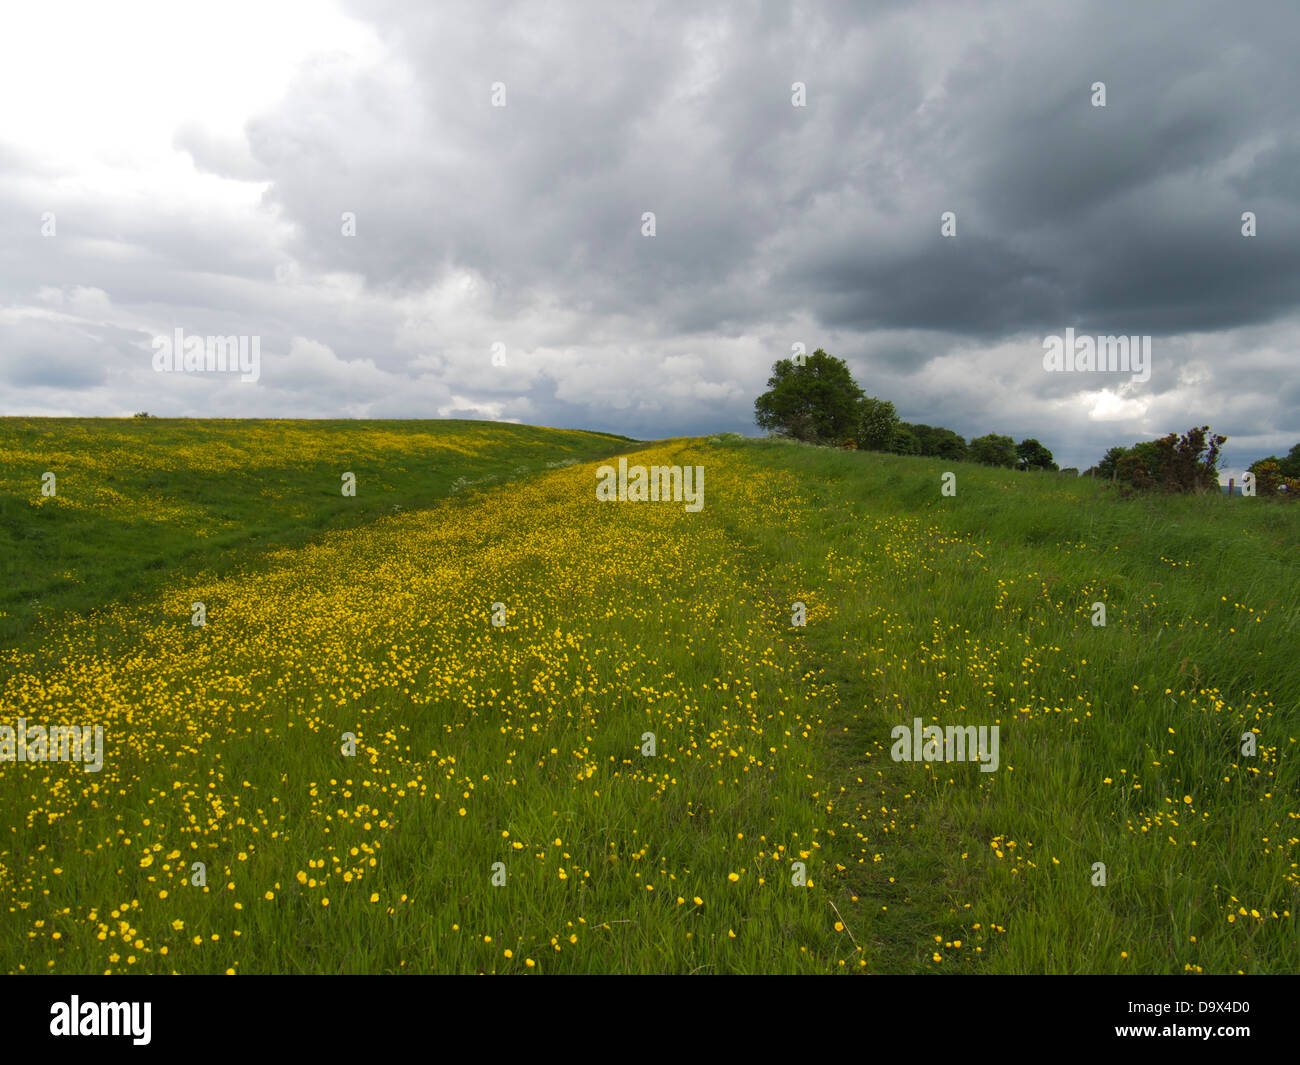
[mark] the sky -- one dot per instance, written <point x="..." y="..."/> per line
<point x="440" y="211"/>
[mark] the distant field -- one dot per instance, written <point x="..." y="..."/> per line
<point x="140" y="500"/>
<point x="522" y="744"/>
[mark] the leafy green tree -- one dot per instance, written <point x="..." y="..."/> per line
<point x="1147" y="452"/>
<point x="877" y="421"/>
<point x="1109" y="463"/>
<point x="816" y="402"/>
<point x="903" y="441"/>
<point x="1031" y="455"/>
<point x="1140" y="462"/>
<point x="993" y="450"/>
<point x="940" y="443"/>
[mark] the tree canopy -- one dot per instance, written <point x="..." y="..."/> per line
<point x="816" y="402"/>
<point x="1031" y="455"/>
<point x="994" y="450"/>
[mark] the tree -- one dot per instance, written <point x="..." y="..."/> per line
<point x="877" y="421"/>
<point x="1031" y="455"/>
<point x="1147" y="452"/>
<point x="940" y="443"/>
<point x="816" y="402"/>
<point x="1109" y="463"/>
<point x="903" y="441"/>
<point x="993" y="450"/>
<point x="1129" y="464"/>
<point x="1290" y="465"/>
<point x="1279" y="478"/>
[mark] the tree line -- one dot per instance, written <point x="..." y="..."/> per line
<point x="815" y="399"/>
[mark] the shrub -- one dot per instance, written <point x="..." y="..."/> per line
<point x="1268" y="476"/>
<point x="1189" y="463"/>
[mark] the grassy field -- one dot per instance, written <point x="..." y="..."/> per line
<point x="500" y="812"/>
<point x="143" y="502"/>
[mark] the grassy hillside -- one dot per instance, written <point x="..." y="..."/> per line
<point x="139" y="501"/>
<point x="526" y="744"/>
<point x="1120" y="744"/>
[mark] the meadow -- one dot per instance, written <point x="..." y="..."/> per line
<point x="141" y="502"/>
<point x="502" y="811"/>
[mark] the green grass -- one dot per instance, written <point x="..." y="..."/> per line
<point x="988" y="606"/>
<point x="773" y="741"/>
<point x="142" y="502"/>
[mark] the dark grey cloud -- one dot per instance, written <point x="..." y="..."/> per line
<point x="521" y="225"/>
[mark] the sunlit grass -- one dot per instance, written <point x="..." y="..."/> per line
<point x="138" y="503"/>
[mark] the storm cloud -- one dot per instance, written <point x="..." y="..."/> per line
<point x="438" y="210"/>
